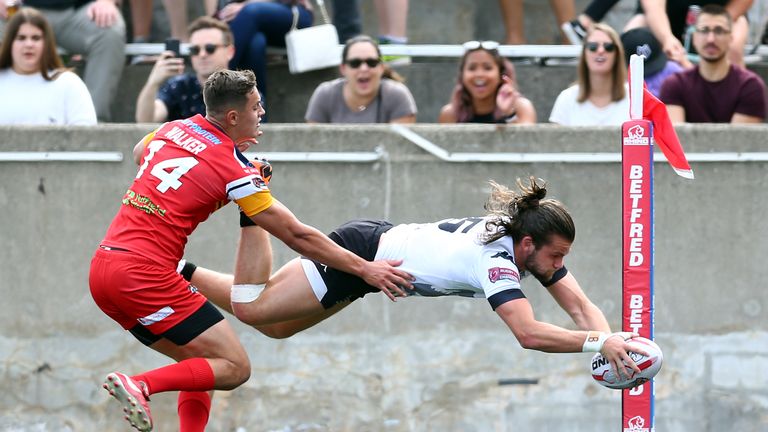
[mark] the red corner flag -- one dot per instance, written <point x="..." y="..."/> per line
<point x="664" y="134"/>
<point x="655" y="111"/>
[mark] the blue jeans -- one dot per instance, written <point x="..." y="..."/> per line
<point x="257" y="26"/>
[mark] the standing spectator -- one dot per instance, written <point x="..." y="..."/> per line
<point x="258" y="24"/>
<point x="346" y="18"/>
<point x="96" y="30"/>
<point x="600" y="95"/>
<point x="667" y="21"/>
<point x="392" y="17"/>
<point x="171" y="95"/>
<point x="657" y="65"/>
<point x="368" y="92"/>
<point x="486" y="89"/>
<point x="512" y="15"/>
<point x="35" y="87"/>
<point x="715" y="91"/>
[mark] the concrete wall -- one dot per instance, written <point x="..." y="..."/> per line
<point x="420" y="364"/>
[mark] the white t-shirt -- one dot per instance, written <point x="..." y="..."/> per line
<point x="568" y="112"/>
<point x="447" y="258"/>
<point x="31" y="100"/>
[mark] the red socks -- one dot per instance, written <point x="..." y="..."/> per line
<point x="193" y="411"/>
<point x="191" y="375"/>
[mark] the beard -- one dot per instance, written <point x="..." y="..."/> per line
<point x="533" y="267"/>
<point x="712" y="58"/>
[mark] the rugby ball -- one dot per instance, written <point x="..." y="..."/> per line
<point x="649" y="366"/>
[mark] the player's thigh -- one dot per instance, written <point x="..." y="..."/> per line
<point x="286" y="329"/>
<point x="217" y="342"/>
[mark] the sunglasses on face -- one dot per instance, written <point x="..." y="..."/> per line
<point x="717" y="31"/>
<point x="486" y="45"/>
<point x="607" y="46"/>
<point x="357" y="62"/>
<point x="209" y="48"/>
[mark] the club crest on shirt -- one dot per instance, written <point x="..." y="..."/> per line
<point x="259" y="182"/>
<point x="496" y="274"/>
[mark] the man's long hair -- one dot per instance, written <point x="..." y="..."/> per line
<point x="526" y="213"/>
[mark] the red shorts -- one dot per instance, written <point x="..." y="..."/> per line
<point x="132" y="290"/>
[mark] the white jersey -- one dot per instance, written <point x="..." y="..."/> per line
<point x="448" y="258"/>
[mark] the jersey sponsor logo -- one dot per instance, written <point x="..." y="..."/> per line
<point x="157" y="316"/>
<point x="505" y="255"/>
<point x="496" y="274"/>
<point x="200" y="131"/>
<point x="143" y="203"/>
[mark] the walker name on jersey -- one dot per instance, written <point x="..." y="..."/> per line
<point x="184" y="140"/>
<point x="496" y="274"/>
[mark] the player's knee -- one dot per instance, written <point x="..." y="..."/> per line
<point x="246" y="313"/>
<point x="238" y="371"/>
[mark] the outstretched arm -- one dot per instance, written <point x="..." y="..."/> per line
<point x="279" y="221"/>
<point x="541" y="336"/>
<point x="572" y="299"/>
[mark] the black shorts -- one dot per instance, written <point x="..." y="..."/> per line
<point x="184" y="332"/>
<point x="360" y="237"/>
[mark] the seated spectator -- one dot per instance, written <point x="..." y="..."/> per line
<point x="715" y="91"/>
<point x="512" y="15"/>
<point x="600" y="95"/>
<point x="96" y="30"/>
<point x="667" y="21"/>
<point x="169" y="94"/>
<point x="256" y="25"/>
<point x="368" y="91"/>
<point x="35" y="87"/>
<point x="657" y="65"/>
<point x="486" y="89"/>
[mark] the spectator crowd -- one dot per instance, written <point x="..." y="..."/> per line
<point x="694" y="62"/>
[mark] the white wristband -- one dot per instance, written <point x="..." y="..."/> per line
<point x="246" y="293"/>
<point x="594" y="341"/>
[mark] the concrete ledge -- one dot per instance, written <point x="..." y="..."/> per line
<point x="419" y="364"/>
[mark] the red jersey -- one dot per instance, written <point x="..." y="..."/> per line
<point x="190" y="169"/>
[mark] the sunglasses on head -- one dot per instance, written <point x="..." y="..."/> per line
<point x="357" y="62"/>
<point x="486" y="45"/>
<point x="209" y="48"/>
<point x="607" y="46"/>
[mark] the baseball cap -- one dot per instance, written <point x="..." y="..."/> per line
<point x="642" y="38"/>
